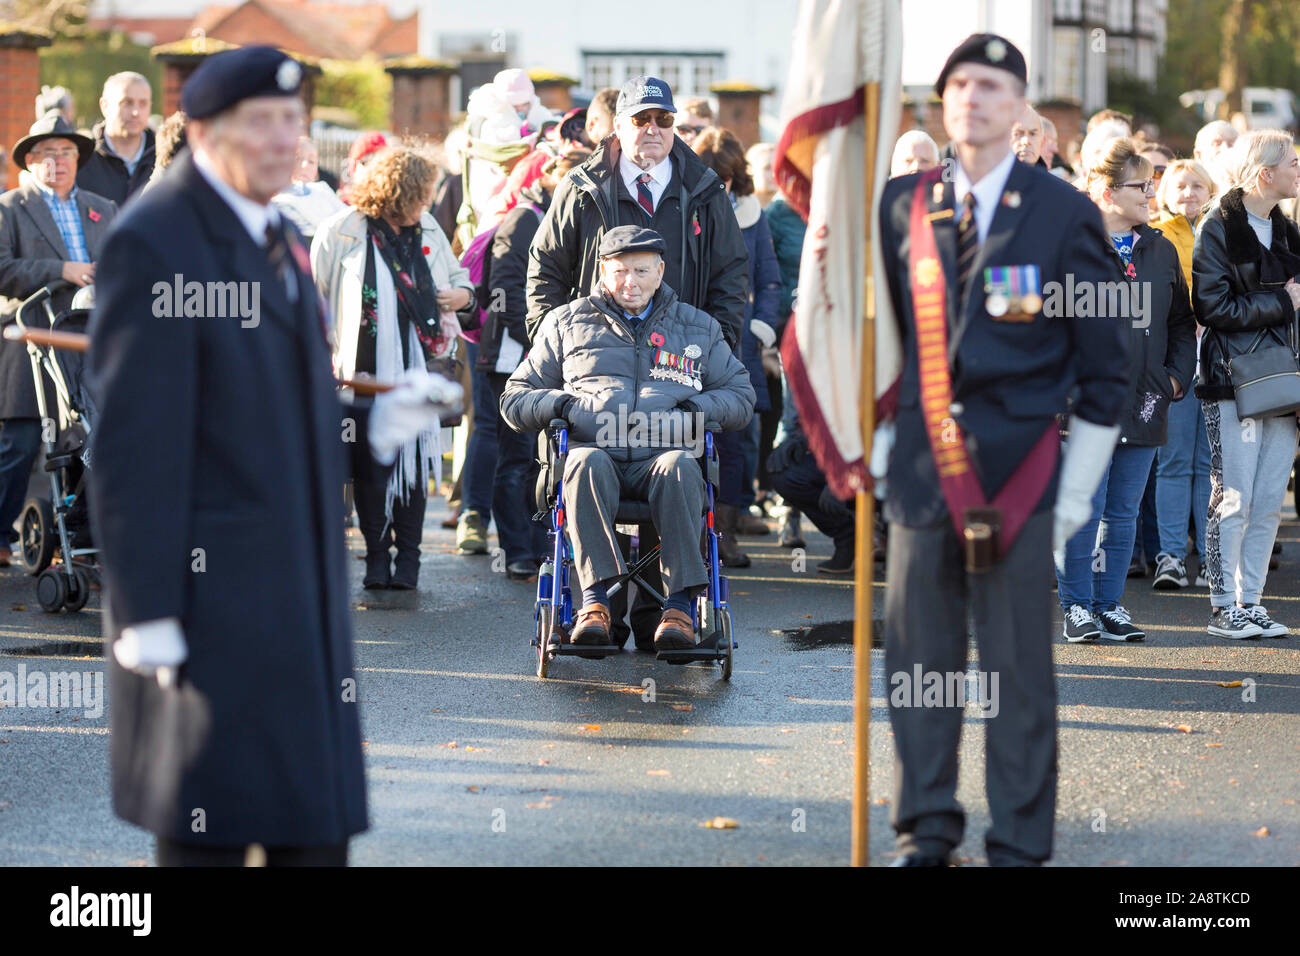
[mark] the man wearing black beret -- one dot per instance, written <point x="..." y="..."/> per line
<point x="976" y="494"/>
<point x="215" y="496"/>
<point x="637" y="373"/>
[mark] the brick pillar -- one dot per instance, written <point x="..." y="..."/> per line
<point x="182" y="58"/>
<point x="553" y="89"/>
<point x="421" y="97"/>
<point x="20" y="81"/>
<point x="934" y="121"/>
<point x="738" y="109"/>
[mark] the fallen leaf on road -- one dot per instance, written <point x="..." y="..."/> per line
<point x="1184" y="728"/>
<point x="788" y="730"/>
<point x="450" y="746"/>
<point x="1229" y="683"/>
<point x="659" y="773"/>
<point x="477" y="749"/>
<point x="472" y="789"/>
<point x="683" y="706"/>
<point x="591" y="727"/>
<point x="19" y="607"/>
<point x="835" y="741"/>
<point x="1214" y="745"/>
<point x="435" y="711"/>
<point x="1261" y="832"/>
<point x="543" y="763"/>
<point x="538" y="806"/>
<point x="881" y="801"/>
<point x="720" y="823"/>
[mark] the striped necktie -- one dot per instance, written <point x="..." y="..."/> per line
<point x="643" y="194"/>
<point x="968" y="242"/>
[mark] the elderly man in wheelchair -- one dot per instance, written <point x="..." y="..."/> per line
<point x="637" y="375"/>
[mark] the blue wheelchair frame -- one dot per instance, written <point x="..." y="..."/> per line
<point x="710" y="613"/>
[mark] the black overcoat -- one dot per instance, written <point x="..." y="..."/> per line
<point x="219" y="456"/>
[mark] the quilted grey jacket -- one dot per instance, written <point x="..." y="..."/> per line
<point x="586" y="349"/>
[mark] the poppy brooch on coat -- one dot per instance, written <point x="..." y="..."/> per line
<point x="656" y="339"/>
<point x="92" y="215"/>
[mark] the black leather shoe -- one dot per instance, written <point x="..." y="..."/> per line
<point x="377" y="576"/>
<point x="921" y="859"/>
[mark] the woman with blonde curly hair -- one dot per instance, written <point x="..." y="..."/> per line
<point x="391" y="288"/>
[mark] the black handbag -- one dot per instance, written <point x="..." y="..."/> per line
<point x="449" y="366"/>
<point x="1266" y="381"/>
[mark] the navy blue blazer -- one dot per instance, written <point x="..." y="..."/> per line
<point x="1010" y="379"/>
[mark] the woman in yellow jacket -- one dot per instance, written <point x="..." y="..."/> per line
<point x="1183" y="462"/>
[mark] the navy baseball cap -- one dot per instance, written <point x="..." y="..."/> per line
<point x="644" y="93"/>
<point x="623" y="239"/>
<point x="226" y="78"/>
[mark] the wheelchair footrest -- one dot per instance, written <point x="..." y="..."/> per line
<point x="590" y="651"/>
<point x="689" y="656"/>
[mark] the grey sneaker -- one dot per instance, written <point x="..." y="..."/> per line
<point x="1268" y="626"/>
<point x="1233" y="623"/>
<point x="1080" y="625"/>
<point x="1117" y="625"/>
<point x="1171" y="574"/>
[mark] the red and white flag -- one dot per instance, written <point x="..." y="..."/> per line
<point x="840" y="46"/>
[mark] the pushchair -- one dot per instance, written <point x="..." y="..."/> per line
<point x="554" y="611"/>
<point x="61" y="523"/>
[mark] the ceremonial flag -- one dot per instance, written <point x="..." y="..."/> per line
<point x="841" y="48"/>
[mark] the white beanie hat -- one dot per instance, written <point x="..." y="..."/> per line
<point x="514" y="86"/>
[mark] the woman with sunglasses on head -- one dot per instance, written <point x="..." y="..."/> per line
<point x="1183" y="462"/>
<point x="1092" y="568"/>
<point x="1244" y="264"/>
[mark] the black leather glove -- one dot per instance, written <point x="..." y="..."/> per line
<point x="562" y="406"/>
<point x="689" y="407"/>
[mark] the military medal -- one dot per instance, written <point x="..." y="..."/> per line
<point x="691" y="351"/>
<point x="996" y="292"/>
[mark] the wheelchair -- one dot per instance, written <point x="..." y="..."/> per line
<point x="554" y="613"/>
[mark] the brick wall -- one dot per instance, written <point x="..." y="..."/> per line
<point x="20" y="73"/>
<point x="421" y="101"/>
<point x="738" y="112"/>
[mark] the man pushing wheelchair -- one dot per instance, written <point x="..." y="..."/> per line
<point x="637" y="374"/>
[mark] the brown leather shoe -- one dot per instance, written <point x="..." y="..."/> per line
<point x="676" y="631"/>
<point x="592" y="625"/>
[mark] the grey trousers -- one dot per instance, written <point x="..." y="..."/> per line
<point x="928" y="599"/>
<point x="1250" y="462"/>
<point x="673" y="485"/>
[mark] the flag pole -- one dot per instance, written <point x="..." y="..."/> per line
<point x="863" y="562"/>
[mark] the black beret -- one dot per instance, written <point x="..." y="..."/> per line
<point x="623" y="239"/>
<point x="226" y="78"/>
<point x="989" y="49"/>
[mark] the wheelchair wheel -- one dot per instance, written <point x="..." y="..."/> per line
<point x="724" y="619"/>
<point x="51" y="590"/>
<point x="544" y="615"/>
<point x="38" y="535"/>
<point x="78" y="590"/>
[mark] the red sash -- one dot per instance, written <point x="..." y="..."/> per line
<point x="961" y="487"/>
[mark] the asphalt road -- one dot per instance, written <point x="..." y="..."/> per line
<point x="472" y="759"/>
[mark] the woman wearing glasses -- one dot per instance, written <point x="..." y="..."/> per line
<point x="1092" y="568"/>
<point x="1183" y="462"/>
<point x="1245" y="261"/>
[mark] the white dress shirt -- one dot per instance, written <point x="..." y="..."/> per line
<point x="988" y="192"/>
<point x="660" y="176"/>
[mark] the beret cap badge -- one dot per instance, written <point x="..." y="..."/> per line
<point x="289" y="75"/>
<point x="996" y="50"/>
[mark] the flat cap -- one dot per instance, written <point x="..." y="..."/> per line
<point x="989" y="49"/>
<point x="226" y="78"/>
<point x="623" y="239"/>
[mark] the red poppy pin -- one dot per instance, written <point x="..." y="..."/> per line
<point x="94" y="216"/>
<point x="656" y="339"/>
<point x="695" y="221"/>
<point x="425" y="250"/>
<point x="1130" y="271"/>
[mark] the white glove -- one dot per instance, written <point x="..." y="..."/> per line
<point x="1087" y="452"/>
<point x="416" y="404"/>
<point x="154" y="648"/>
<point x="763" y="332"/>
<point x="882" y="443"/>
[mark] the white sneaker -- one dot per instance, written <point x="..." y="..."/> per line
<point x="1201" y="580"/>
<point x="1268" y="626"/>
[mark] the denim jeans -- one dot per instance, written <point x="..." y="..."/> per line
<point x="481" y="452"/>
<point x="20" y="441"/>
<point x="1183" y="479"/>
<point x="1092" y="569"/>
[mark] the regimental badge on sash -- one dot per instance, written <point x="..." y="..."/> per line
<point x="1012" y="293"/>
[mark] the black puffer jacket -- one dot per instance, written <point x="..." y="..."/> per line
<point x="708" y="264"/>
<point x="105" y="172"/>
<point x="1162" y="338"/>
<point x="1237" y="288"/>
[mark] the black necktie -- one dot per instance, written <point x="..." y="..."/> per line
<point x="968" y="242"/>
<point x="277" y="255"/>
